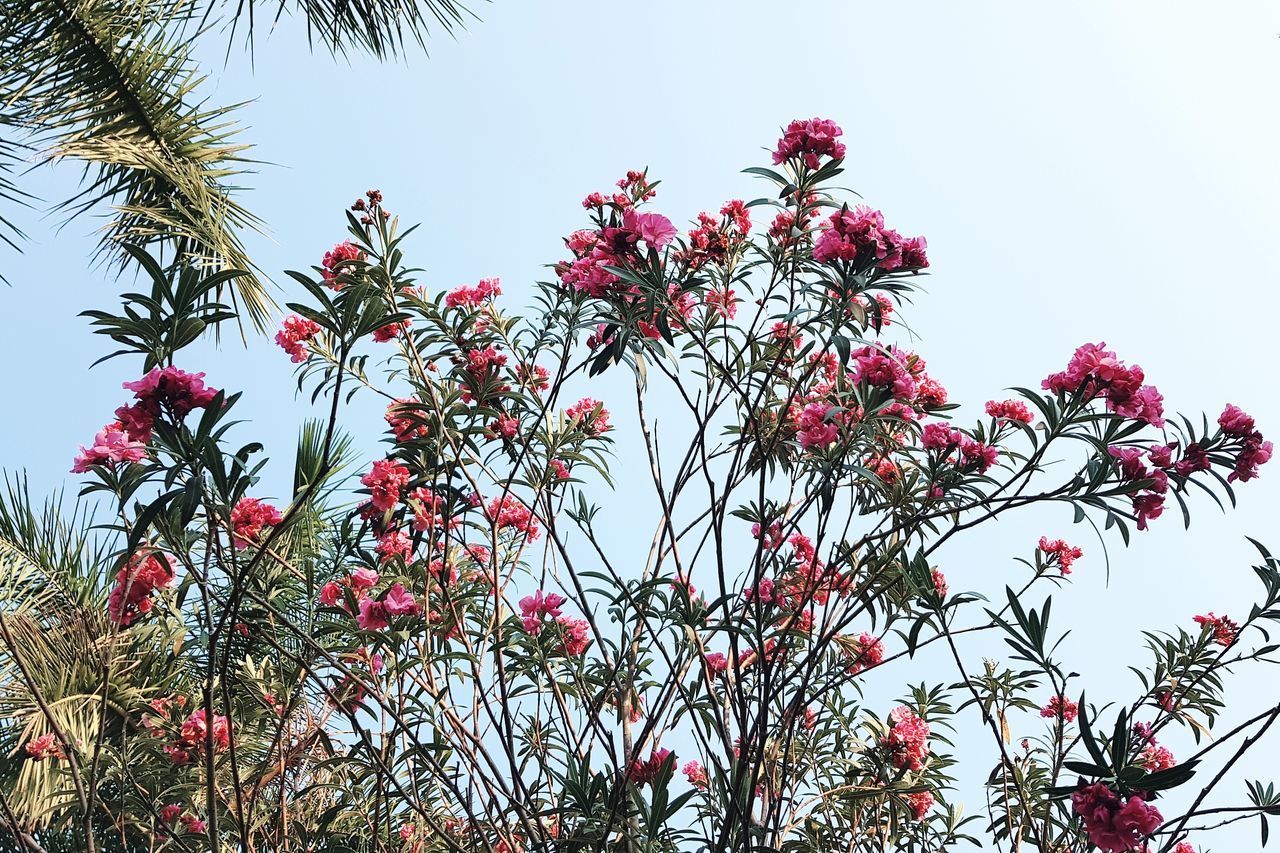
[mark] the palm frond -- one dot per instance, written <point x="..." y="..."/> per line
<point x="10" y="193"/>
<point x="382" y="28"/>
<point x="111" y="83"/>
<point x="48" y="557"/>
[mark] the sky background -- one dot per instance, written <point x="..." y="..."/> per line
<point x="1083" y="172"/>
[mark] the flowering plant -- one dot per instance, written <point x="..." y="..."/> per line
<point x="443" y="649"/>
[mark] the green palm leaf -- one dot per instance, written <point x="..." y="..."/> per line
<point x="111" y="83"/>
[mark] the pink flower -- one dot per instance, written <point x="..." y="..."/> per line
<point x="173" y="390"/>
<point x="1111" y="826"/>
<point x="395" y="544"/>
<point x="406" y="421"/>
<point x="248" y="518"/>
<point x="145" y="572"/>
<point x="1064" y="554"/>
<point x="363" y="579"/>
<point x="886" y="368"/>
<point x="808" y="140"/>
<point x="112" y="445"/>
<point x="977" y="455"/>
<point x="907" y="740"/>
<point x="939" y="583"/>
<point x="576" y="635"/>
<point x="1253" y="453"/>
<point x="867" y="651"/>
<point x="44" y="747"/>
<point x="920" y="803"/>
<point x="384" y="482"/>
<point x="466" y="296"/>
<point x="399" y="602"/>
<point x="382" y="334"/>
<point x="592" y="417"/>
<point x="195" y="730"/>
<point x="1096" y="372"/>
<point x="1156" y="758"/>
<point x="696" y="775"/>
<point x="716" y="663"/>
<point x="1060" y="706"/>
<point x="1234" y="421"/>
<point x="331" y="594"/>
<point x="540" y="604"/>
<point x="297" y="331"/>
<point x="850" y="235"/>
<point x="169" y="814"/>
<point x="337" y="259"/>
<point x="859" y="235"/>
<point x="505" y="426"/>
<point x="1224" y="629"/>
<point x="1010" y="410"/>
<point x="644" y="772"/>
<point x="373" y="615"/>
<point x="722" y="302"/>
<point x="654" y="228"/>
<point x="815" y="432"/>
<point x="939" y="436"/>
<point x="508" y="512"/>
<point x="193" y="824"/>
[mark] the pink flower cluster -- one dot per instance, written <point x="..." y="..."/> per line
<point x="1253" y="450"/>
<point x="467" y="296"/>
<point x="112" y="445"/>
<point x="1148" y="503"/>
<point x="808" y="140"/>
<point x="375" y="614"/>
<point x="574" y="632"/>
<point x="1010" y="410"/>
<point x="1060" y="706"/>
<point x="591" y="416"/>
<point x="337" y="259"/>
<point x="1112" y="825"/>
<point x="144" y="573"/>
<point x="296" y="332"/>
<point x="859" y="235"/>
<point x="814" y="430"/>
<point x="509" y="513"/>
<point x="174" y="813"/>
<point x="534" y="607"/>
<point x="1224" y="629"/>
<point x="405" y="422"/>
<point x="920" y="803"/>
<point x="615" y="243"/>
<point x="1155" y="758"/>
<point x="907" y="742"/>
<point x="44" y="747"/>
<point x="973" y="454"/>
<point x="889" y="368"/>
<point x="194" y="732"/>
<point x="1056" y="550"/>
<point x="1095" y="371"/>
<point x="644" y="772"/>
<point x="865" y="652"/>
<point x="385" y="482"/>
<point x="162" y="390"/>
<point x="359" y="582"/>
<point x="249" y="517"/>
<point x="382" y="334"/>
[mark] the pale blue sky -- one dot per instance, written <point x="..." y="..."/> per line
<point x="1086" y="171"/>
